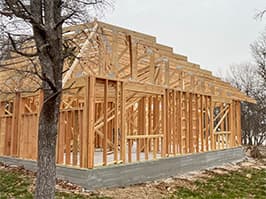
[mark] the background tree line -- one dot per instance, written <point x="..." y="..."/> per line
<point x="250" y="78"/>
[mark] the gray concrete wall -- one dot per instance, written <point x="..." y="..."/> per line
<point x="122" y="175"/>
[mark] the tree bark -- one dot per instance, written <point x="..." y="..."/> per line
<point x="47" y="18"/>
<point x="250" y="142"/>
<point x="46" y="175"/>
<point x="50" y="49"/>
<point x="52" y="64"/>
<point x="244" y="138"/>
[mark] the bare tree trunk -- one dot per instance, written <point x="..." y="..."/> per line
<point x="255" y="140"/>
<point x="46" y="175"/>
<point x="46" y="19"/>
<point x="245" y="139"/>
<point x="50" y="47"/>
<point x="250" y="141"/>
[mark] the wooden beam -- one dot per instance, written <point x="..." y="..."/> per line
<point x="167" y="108"/>
<point x="114" y="60"/>
<point x="213" y="145"/>
<point x="91" y="112"/>
<point x="105" y="127"/>
<point x="133" y="57"/>
<point x="187" y="112"/>
<point x="190" y="123"/>
<point x="152" y="68"/>
<point x="179" y="122"/>
<point x="123" y="127"/>
<point x="88" y="133"/>
<point x="202" y="122"/>
<point x="221" y="120"/>
<point x="197" y="123"/>
<point x="166" y="73"/>
<point x="80" y="55"/>
<point x="164" y="121"/>
<point x="238" y="110"/>
<point x="206" y="124"/>
<point x="144" y="37"/>
<point x="231" y="125"/>
<point x="116" y="122"/>
<point x="143" y="88"/>
<point x="15" y="127"/>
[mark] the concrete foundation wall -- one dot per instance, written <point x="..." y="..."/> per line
<point x="121" y="175"/>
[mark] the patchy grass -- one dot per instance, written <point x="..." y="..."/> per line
<point x="13" y="185"/>
<point x="246" y="183"/>
<point x="16" y="185"/>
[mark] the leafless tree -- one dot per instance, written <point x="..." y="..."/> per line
<point x="260" y="14"/>
<point x="259" y="53"/>
<point x="40" y="23"/>
<point x="247" y="79"/>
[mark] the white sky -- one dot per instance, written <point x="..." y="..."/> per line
<point x="212" y="33"/>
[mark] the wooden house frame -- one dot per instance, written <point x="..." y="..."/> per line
<point x="126" y="99"/>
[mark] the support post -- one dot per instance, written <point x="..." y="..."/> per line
<point x="167" y="119"/>
<point x="123" y="123"/>
<point x="202" y="122"/>
<point x="231" y="125"/>
<point x="116" y="124"/>
<point x="190" y="123"/>
<point x="197" y="123"/>
<point x="213" y="145"/>
<point x="87" y="137"/>
<point x="179" y="121"/>
<point x="105" y="127"/>
<point x="187" y="119"/>
<point x="164" y="144"/>
<point x="15" y="127"/>
<point x="2" y="133"/>
<point x="239" y="136"/>
<point x="206" y="124"/>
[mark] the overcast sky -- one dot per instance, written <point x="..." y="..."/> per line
<point x="212" y="33"/>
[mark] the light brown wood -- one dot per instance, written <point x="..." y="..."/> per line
<point x="15" y="121"/>
<point x="127" y="98"/>
<point x="90" y="127"/>
<point x="123" y="128"/>
<point x="105" y="127"/>
<point x="213" y="144"/>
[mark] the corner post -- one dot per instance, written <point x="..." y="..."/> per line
<point x="87" y="137"/>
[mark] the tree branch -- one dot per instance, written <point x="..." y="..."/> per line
<point x="260" y="14"/>
<point x="13" y="43"/>
<point x="17" y="8"/>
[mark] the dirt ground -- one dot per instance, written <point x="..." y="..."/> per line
<point x="164" y="187"/>
<point x="161" y="188"/>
